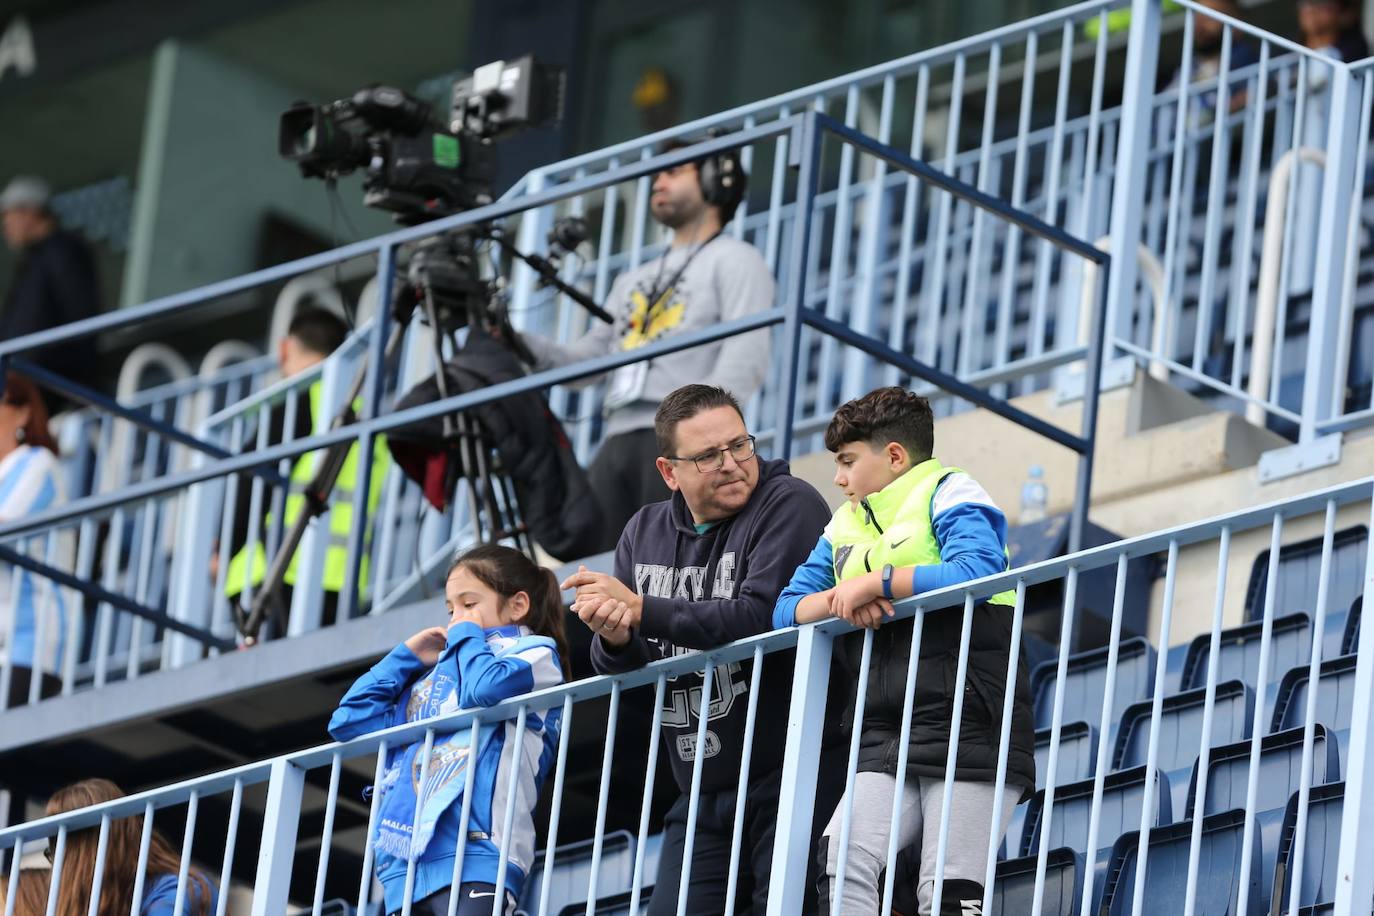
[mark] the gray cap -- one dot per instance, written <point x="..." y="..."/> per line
<point x="25" y="191"/>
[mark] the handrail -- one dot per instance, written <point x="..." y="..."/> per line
<point x="1271" y="264"/>
<point x="1153" y="274"/>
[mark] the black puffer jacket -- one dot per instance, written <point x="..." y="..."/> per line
<point x="933" y="707"/>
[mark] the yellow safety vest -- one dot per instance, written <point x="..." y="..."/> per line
<point x="250" y="569"/>
<point x="893" y="526"/>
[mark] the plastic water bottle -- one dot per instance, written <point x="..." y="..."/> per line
<point x="1034" y="496"/>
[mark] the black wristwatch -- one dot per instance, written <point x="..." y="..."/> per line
<point x="887" y="581"/>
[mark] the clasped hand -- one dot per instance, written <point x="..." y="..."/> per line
<point x="859" y="601"/>
<point x="604" y="604"/>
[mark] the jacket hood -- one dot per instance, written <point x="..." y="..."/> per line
<point x="771" y="470"/>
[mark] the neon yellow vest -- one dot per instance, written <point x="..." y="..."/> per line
<point x="893" y="526"/>
<point x="246" y="569"/>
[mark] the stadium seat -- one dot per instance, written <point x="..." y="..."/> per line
<point x="1013" y="891"/>
<point x="1299" y="567"/>
<point x="1123" y="799"/>
<point x="1279" y="771"/>
<point x="1335" y="696"/>
<point x="1238" y="652"/>
<point x="1166" y="869"/>
<point x="572" y="872"/>
<point x="1351" y="637"/>
<point x="1180" y="734"/>
<point x="1320" y="849"/>
<point x="1087" y="683"/>
<point x="1077" y="761"/>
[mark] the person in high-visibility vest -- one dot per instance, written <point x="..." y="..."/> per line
<point x="313" y="334"/>
<point x="911" y="525"/>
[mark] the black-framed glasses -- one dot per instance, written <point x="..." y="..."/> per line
<point x="50" y="851"/>
<point x="709" y="462"/>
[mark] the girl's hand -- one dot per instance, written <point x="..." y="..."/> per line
<point x="428" y="644"/>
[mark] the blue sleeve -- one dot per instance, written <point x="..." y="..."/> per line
<point x="161" y="898"/>
<point x="371" y="703"/>
<point x="485" y="679"/>
<point x="816" y="574"/>
<point x="973" y="540"/>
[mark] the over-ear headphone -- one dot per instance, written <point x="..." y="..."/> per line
<point x="722" y="178"/>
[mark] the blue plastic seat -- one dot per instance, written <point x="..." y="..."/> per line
<point x="1013" y="891"/>
<point x="1299" y="570"/>
<point x="1317" y="886"/>
<point x="1278" y="777"/>
<point x="1166" y="869"/>
<point x="572" y="872"/>
<point x="1123" y="799"/>
<point x="1238" y="652"/>
<point x="1087" y="683"/>
<point x="1077" y="761"/>
<point x="1335" y="697"/>
<point x="1180" y="733"/>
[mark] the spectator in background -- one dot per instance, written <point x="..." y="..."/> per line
<point x="1320" y="23"/>
<point x="29" y="483"/>
<point x="1351" y="43"/>
<point x="55" y="282"/>
<point x="31" y="891"/>
<point x="313" y="335"/>
<point x="703" y="279"/>
<point x="121" y="862"/>
<point x="1208" y="36"/>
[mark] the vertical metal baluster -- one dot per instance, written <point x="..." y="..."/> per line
<point x="55" y="882"/>
<point x="1041" y="284"/>
<point x="1205" y="739"/>
<point x="995" y="834"/>
<point x="655" y="728"/>
<point x="851" y="773"/>
<point x="1310" y="712"/>
<point x="141" y="868"/>
<point x="1211" y="240"/>
<point x="1244" y="254"/>
<point x="928" y="331"/>
<point x="897" y="329"/>
<point x="327" y="832"/>
<point x="1341" y="370"/>
<point x="836" y="306"/>
<point x="512" y="792"/>
<point x="1104" y="729"/>
<point x="746" y="156"/>
<point x="1286" y="263"/>
<point x="773" y="237"/>
<point x="742" y="790"/>
<point x="1011" y="258"/>
<point x="1156" y="711"/>
<point x="903" y="752"/>
<point x="427" y="751"/>
<point x="12" y="892"/>
<point x="975" y="312"/>
<point x="465" y="816"/>
<point x="1257" y="729"/>
<point x="1056" y="733"/>
<point x="560" y="775"/>
<point x="226" y="871"/>
<point x="98" y="872"/>
<point x="694" y="797"/>
<point x="365" y="884"/>
<point x="192" y="808"/>
<point x="1176" y="237"/>
<point x="603" y="794"/>
<point x="952" y="755"/>
<point x="1086" y="228"/>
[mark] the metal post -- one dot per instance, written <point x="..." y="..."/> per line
<point x="272" y="890"/>
<point x="1142" y="50"/>
<point x="1097" y="346"/>
<point x="797" y="795"/>
<point x="1332" y="244"/>
<point x="807" y="150"/>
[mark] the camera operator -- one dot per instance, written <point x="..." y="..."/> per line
<point x="704" y="278"/>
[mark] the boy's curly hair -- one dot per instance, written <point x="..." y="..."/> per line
<point x="885" y="415"/>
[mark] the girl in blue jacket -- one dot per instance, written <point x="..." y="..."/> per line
<point x="504" y="638"/>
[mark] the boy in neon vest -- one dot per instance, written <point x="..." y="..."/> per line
<point x="911" y="526"/>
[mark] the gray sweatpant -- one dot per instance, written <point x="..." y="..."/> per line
<point x="966" y="855"/>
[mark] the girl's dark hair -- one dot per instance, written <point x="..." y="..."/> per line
<point x="20" y="392"/>
<point x="506" y="571"/>
<point x="121" y="857"/>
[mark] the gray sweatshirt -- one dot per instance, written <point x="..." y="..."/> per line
<point x="723" y="280"/>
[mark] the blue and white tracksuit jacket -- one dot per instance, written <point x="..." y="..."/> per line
<point x="478" y="668"/>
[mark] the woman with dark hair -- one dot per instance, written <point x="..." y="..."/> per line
<point x="119" y="874"/>
<point x="32" y="609"/>
<point x="504" y="638"/>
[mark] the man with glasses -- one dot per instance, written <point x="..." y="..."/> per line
<point x="695" y="572"/>
<point x="705" y="276"/>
